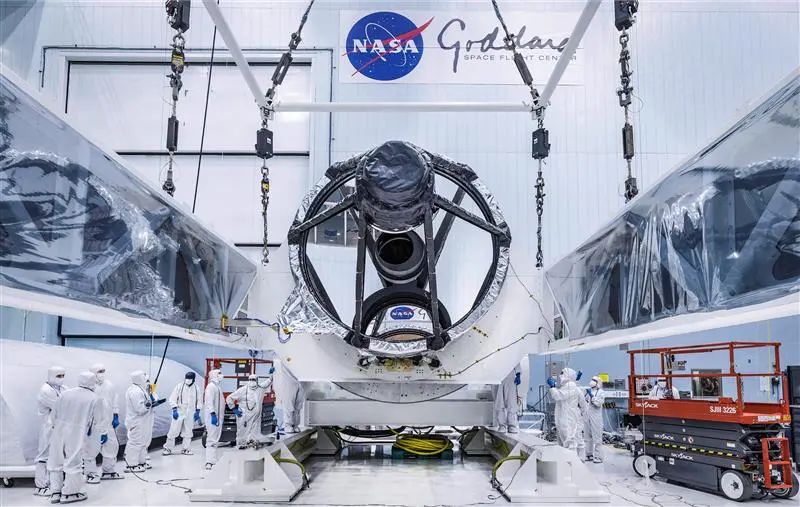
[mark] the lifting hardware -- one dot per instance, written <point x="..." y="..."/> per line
<point x="264" y="146"/>
<point x="624" y="11"/>
<point x="540" y="141"/>
<point x="178" y="12"/>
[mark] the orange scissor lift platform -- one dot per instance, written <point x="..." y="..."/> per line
<point x="722" y="444"/>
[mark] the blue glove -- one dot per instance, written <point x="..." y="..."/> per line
<point x="237" y="411"/>
<point x="103" y="439"/>
<point x="518" y="378"/>
<point x="175" y="414"/>
<point x="115" y="421"/>
<point x="579" y="375"/>
<point x="214" y="420"/>
<point x="589" y="392"/>
<point x="271" y="370"/>
<point x="197" y="416"/>
<point x="551" y="382"/>
<point x="152" y="398"/>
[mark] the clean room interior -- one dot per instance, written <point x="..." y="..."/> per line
<point x="464" y="252"/>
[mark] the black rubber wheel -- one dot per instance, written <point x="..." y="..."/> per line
<point x="787" y="492"/>
<point x="735" y="486"/>
<point x="644" y="465"/>
<point x="8" y="482"/>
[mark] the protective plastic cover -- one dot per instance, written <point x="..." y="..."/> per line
<point x="394" y="185"/>
<point x="76" y="223"/>
<point x="720" y="232"/>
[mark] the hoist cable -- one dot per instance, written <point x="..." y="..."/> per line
<point x="624" y="11"/>
<point x="205" y="117"/>
<point x="178" y="14"/>
<point x="264" y="143"/>
<point x="541" y="143"/>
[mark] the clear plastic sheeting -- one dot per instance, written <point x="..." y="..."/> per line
<point x="720" y="232"/>
<point x="76" y="223"/>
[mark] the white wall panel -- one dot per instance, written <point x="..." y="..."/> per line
<point x="128" y="106"/>
<point x="229" y="191"/>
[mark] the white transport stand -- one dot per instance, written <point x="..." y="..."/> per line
<point x="544" y="473"/>
<point x="261" y="475"/>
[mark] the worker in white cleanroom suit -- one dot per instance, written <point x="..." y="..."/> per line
<point x="570" y="404"/>
<point x="105" y="427"/>
<point x="186" y="401"/>
<point x="139" y="403"/>
<point x="46" y="401"/>
<point x="291" y="396"/>
<point x="214" y="413"/>
<point x="506" y="404"/>
<point x="595" y="397"/>
<point x="248" y="401"/>
<point x="73" y="421"/>
<point x="660" y="391"/>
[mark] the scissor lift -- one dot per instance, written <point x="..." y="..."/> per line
<point x="717" y="444"/>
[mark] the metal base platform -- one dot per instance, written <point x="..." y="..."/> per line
<point x="259" y="475"/>
<point x="544" y="472"/>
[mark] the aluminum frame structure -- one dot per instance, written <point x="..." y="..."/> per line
<point x="227" y="34"/>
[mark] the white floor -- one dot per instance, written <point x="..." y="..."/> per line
<point x="365" y="475"/>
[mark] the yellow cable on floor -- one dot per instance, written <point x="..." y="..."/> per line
<point x="507" y="458"/>
<point x="423" y="445"/>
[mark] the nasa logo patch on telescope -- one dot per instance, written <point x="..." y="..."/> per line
<point x="385" y="46"/>
<point x="401" y="313"/>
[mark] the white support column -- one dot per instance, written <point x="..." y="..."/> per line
<point x="236" y="51"/>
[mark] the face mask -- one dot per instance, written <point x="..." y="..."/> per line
<point x="592" y="383"/>
<point x="188" y="381"/>
<point x="662" y="383"/>
<point x="252" y="384"/>
<point x="59" y="380"/>
<point x="101" y="376"/>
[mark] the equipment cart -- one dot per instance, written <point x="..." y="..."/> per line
<point x="710" y="441"/>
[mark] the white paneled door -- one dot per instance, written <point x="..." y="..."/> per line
<point x="125" y="105"/>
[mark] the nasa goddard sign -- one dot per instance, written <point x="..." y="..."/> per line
<point x="452" y="48"/>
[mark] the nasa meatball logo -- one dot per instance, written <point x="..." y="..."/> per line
<point x="402" y="313"/>
<point x="385" y="46"/>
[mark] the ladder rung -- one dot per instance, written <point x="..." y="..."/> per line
<point x="778" y="463"/>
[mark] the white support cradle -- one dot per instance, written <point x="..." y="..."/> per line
<point x="550" y="473"/>
<point x="254" y="475"/>
<point x="474" y="443"/>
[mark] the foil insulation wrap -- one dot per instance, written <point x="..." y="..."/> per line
<point x="75" y="223"/>
<point x="720" y="232"/>
<point x="303" y="312"/>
